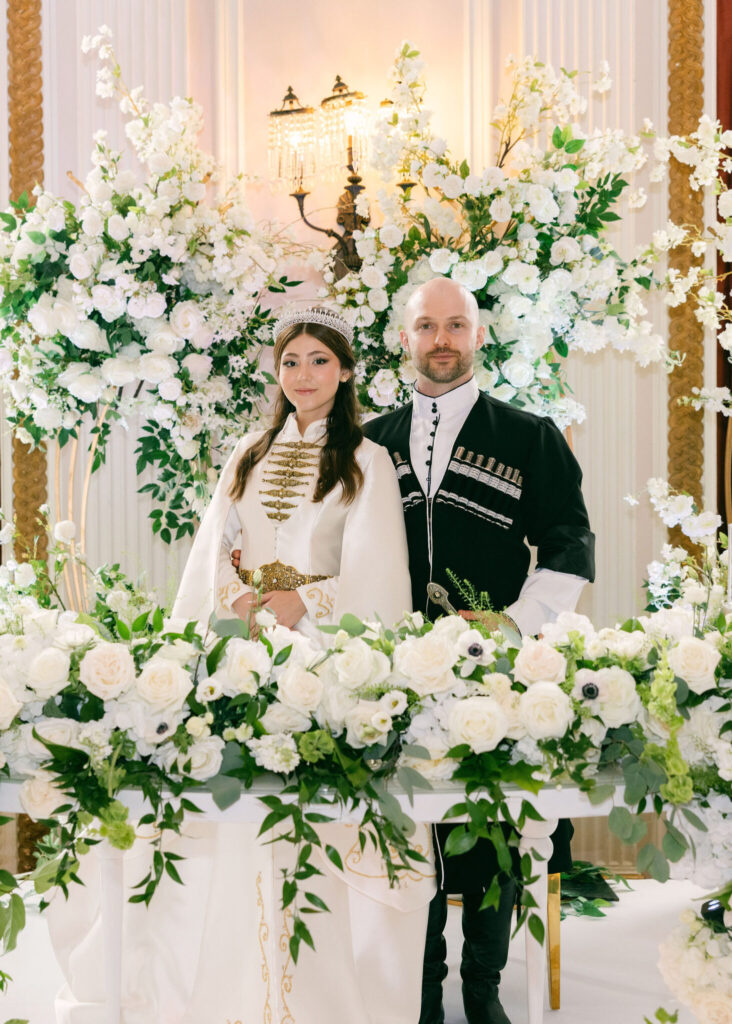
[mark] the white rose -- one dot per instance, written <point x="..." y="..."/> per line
<point x="426" y="662"/>
<point x="108" y="301"/>
<point x="283" y="718"/>
<point x="91" y="222"/>
<point x="48" y="419"/>
<point x="246" y="666"/>
<point x="441" y="260"/>
<point x="391" y="236"/>
<point x="205" y="757"/>
<point x="694" y="661"/>
<point x="63" y="732"/>
<point x="518" y="372"/>
<point x="358" y="665"/>
<point x="538" y="662"/>
<point x="163" y="683"/>
<point x="500" y="209"/>
<point x="362" y="724"/>
<point x="117" y="228"/>
<point x="48" y="673"/>
<point x="155" y="368"/>
<point x="40" y="796"/>
<point x="87" y="387"/>
<point x="170" y="389"/>
<point x="618" y="701"/>
<point x="107" y="670"/>
<point x="198" y="366"/>
<point x="450" y="628"/>
<point x="436" y="767"/>
<point x="64" y="531"/>
<point x="79" y="266"/>
<point x="9" y="706"/>
<point x="118" y="372"/>
<point x="478" y="721"/>
<point x="186" y="319"/>
<point x="300" y="689"/>
<point x="546" y="711"/>
<point x="89" y="335"/>
<point x="24" y="575"/>
<point x="336" y="703"/>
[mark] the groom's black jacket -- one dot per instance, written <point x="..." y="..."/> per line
<point x="512" y="481"/>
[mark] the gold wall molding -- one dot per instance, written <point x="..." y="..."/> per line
<point x="25" y="133"/>
<point x="686" y="334"/>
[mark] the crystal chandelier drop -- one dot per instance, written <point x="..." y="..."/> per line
<point x="343" y="133"/>
<point x="292" y="147"/>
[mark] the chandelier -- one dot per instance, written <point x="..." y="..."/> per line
<point x="305" y="146"/>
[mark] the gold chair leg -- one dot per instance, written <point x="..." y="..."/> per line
<point x="553" y="915"/>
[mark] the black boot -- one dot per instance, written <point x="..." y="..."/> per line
<point x="485" y="952"/>
<point x="434" y="970"/>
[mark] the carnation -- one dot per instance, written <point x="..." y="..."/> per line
<point x="276" y="753"/>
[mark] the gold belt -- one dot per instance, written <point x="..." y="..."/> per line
<point x="276" y="576"/>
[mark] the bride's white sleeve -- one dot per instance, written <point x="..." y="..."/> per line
<point x="229" y="586"/>
<point x="374" y="572"/>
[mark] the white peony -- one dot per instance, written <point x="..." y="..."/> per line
<point x="186" y="319"/>
<point x="163" y="684"/>
<point x="442" y="259"/>
<point x="391" y="236"/>
<point x="198" y="366"/>
<point x="478" y="721"/>
<point x="546" y="711"/>
<point x="107" y="670"/>
<point x="40" y="796"/>
<point x="155" y="368"/>
<point x="695" y="660"/>
<point x="518" y="372"/>
<point x="300" y="689"/>
<point x="48" y="673"/>
<point x="537" y="662"/>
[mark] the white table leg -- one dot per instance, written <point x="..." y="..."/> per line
<point x="112" y="900"/>
<point x="535" y="835"/>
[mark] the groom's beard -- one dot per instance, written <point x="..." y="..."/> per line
<point x="444" y="371"/>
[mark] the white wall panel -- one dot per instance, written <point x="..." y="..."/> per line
<point x="622" y="442"/>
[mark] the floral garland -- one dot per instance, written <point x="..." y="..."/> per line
<point x="119" y="698"/>
<point x="529" y="237"/>
<point x="143" y="298"/>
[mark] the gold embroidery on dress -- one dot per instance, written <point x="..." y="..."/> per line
<point x="289" y="468"/>
<point x="355" y="855"/>
<point x="263" y="936"/>
<point x="229" y="592"/>
<point x="325" y="601"/>
<point x="286" y="979"/>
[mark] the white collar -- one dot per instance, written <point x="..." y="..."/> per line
<point x="460" y="399"/>
<point x="314" y="432"/>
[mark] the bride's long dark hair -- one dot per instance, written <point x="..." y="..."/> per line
<point x="343" y="431"/>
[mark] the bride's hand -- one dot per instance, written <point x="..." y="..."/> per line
<point x="243" y="607"/>
<point x="287" y="605"/>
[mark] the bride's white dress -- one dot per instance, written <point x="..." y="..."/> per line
<point x="216" y="950"/>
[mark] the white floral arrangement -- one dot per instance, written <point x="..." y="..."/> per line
<point x="696" y="964"/>
<point x="125" y="697"/>
<point x="147" y="297"/>
<point x="528" y="236"/>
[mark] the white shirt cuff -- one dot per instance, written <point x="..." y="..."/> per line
<point x="544" y="595"/>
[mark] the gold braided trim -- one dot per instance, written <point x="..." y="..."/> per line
<point x="278" y="576"/>
<point x="685" y="334"/>
<point x="25" y="128"/>
<point x="263" y="937"/>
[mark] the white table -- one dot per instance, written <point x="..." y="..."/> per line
<point x="552" y="803"/>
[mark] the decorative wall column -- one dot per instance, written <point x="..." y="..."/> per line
<point x="25" y="124"/>
<point x="686" y="334"/>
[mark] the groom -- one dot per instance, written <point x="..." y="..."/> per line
<point x="479" y="479"/>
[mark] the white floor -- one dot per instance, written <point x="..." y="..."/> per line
<point x="609" y="973"/>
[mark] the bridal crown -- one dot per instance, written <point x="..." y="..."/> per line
<point x="315" y="315"/>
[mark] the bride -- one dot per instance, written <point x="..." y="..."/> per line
<point x="316" y="511"/>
